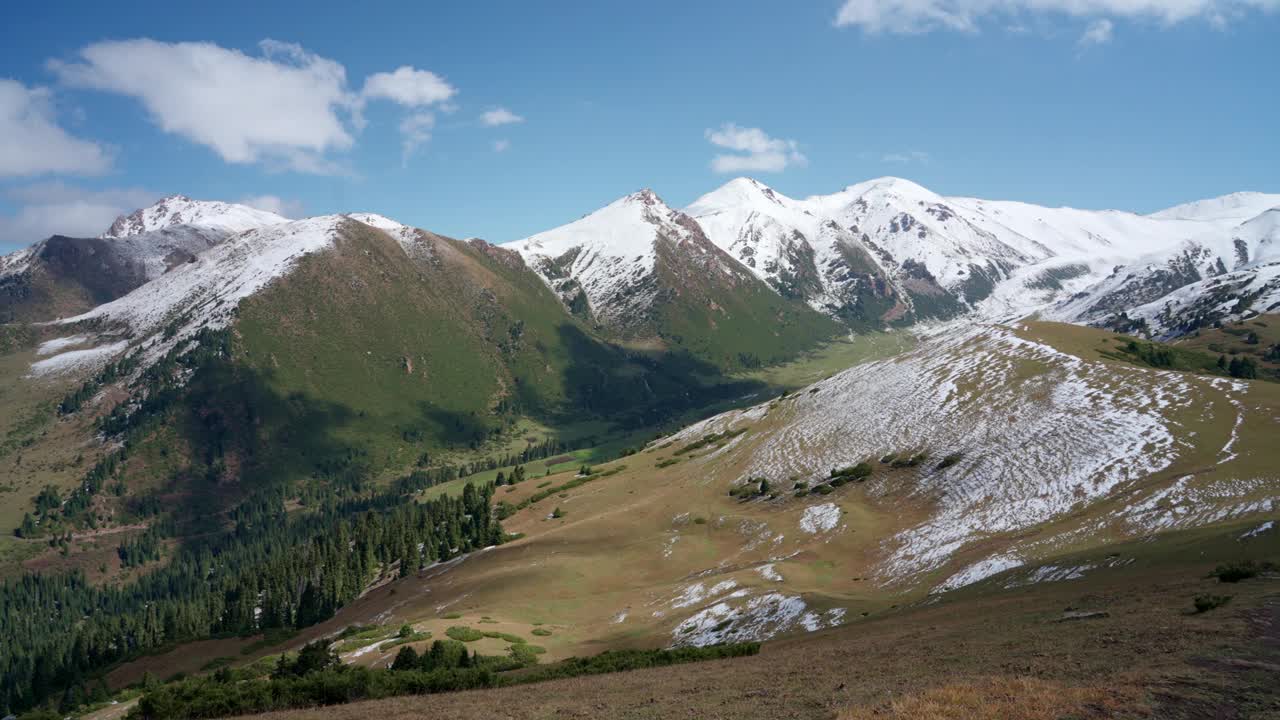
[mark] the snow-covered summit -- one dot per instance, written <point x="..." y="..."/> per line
<point x="1238" y="207"/>
<point x="608" y="255"/>
<point x="181" y="210"/>
<point x="206" y="290"/>
<point x="625" y="228"/>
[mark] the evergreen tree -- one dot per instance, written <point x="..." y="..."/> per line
<point x="406" y="659"/>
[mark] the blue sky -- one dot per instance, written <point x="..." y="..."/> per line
<point x="1131" y="104"/>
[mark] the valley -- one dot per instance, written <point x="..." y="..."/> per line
<point x="818" y="424"/>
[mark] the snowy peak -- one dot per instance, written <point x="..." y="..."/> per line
<point x="900" y="187"/>
<point x="174" y="210"/>
<point x="1238" y="206"/>
<point x="603" y="264"/>
<point x="625" y="228"/>
<point x="617" y="264"/>
<point x="206" y="290"/>
<point x="1259" y="237"/>
<point x="739" y="193"/>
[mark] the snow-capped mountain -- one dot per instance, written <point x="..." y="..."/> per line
<point x="641" y="269"/>
<point x="610" y="263"/>
<point x="740" y="264"/>
<point x="206" y="290"/>
<point x="221" y="217"/>
<point x="801" y="253"/>
<point x="1236" y="207"/>
<point x="606" y="260"/>
<point x="940" y="256"/>
<point x="63" y="275"/>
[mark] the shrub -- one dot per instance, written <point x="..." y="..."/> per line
<point x="1205" y="603"/>
<point x="861" y="471"/>
<point x="523" y="654"/>
<point x="950" y="460"/>
<point x="710" y="439"/>
<point x="463" y="633"/>
<point x="1234" y="572"/>
<point x="906" y="461"/>
<point x="446" y="667"/>
<point x="542" y="632"/>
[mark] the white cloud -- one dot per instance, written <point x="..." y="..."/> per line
<point x="54" y="208"/>
<point x="905" y="158"/>
<point x="500" y="116"/>
<point x="1098" y="33"/>
<point x="31" y="141"/>
<point x="409" y="87"/>
<point x="284" y="107"/>
<point x="754" y="150"/>
<point x="416" y="130"/>
<point x="918" y="16"/>
<point x="415" y="89"/>
<point x="292" y="209"/>
<point x="501" y="145"/>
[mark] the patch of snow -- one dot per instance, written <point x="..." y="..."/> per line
<point x="979" y="571"/>
<point x="670" y="546"/>
<point x="75" y="361"/>
<point x="697" y="592"/>
<point x="769" y="572"/>
<point x="759" y="618"/>
<point x="1051" y="573"/>
<point x="820" y="518"/>
<point x="49" y="347"/>
<point x="1264" y="527"/>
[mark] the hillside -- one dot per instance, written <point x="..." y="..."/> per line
<point x="1128" y="485"/>
<point x="1107" y="452"/>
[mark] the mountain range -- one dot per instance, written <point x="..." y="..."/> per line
<point x="886" y="252"/>
<point x="750" y="418"/>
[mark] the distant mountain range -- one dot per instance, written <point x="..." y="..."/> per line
<point x="879" y="253"/>
<point x="889" y="251"/>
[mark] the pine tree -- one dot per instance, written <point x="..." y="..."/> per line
<point x="406" y="659"/>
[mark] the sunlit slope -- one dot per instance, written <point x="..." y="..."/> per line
<point x="1051" y="452"/>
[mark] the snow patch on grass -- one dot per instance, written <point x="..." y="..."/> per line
<point x="820" y="518"/>
<point x="77" y="360"/>
<point x="980" y="571"/>
<point x="769" y="572"/>
<point x="1264" y="527"/>
<point x="50" y="347"/>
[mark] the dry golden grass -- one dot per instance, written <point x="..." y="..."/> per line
<point x="1008" y="698"/>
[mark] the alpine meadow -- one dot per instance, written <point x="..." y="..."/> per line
<point x="784" y="443"/>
